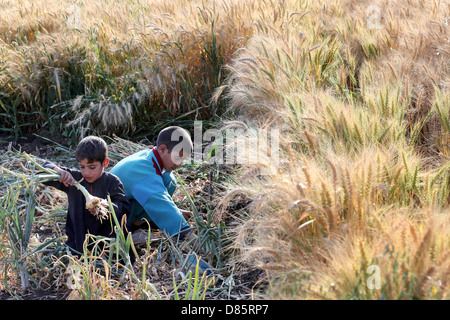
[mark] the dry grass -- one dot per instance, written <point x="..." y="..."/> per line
<point x="364" y="168"/>
<point x="101" y="67"/>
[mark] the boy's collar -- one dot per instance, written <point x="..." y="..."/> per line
<point x="158" y="158"/>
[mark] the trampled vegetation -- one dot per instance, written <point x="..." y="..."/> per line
<point x="357" y="205"/>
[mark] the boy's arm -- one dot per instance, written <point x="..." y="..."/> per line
<point x="165" y="213"/>
<point x="119" y="201"/>
<point x="169" y="182"/>
<point x="153" y="196"/>
<point x="65" y="180"/>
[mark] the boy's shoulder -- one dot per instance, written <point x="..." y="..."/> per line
<point x="110" y="177"/>
<point x="137" y="166"/>
<point x="141" y="155"/>
<point x="140" y="158"/>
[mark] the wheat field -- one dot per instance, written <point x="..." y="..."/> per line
<point x="362" y="189"/>
<point x="358" y="205"/>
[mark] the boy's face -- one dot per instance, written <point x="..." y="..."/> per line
<point x="171" y="161"/>
<point x="91" y="171"/>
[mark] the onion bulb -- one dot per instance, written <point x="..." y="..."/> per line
<point x="97" y="206"/>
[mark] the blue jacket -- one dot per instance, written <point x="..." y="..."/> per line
<point x="143" y="180"/>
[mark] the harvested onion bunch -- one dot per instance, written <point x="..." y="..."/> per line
<point x="97" y="206"/>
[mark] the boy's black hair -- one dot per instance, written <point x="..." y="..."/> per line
<point x="173" y="136"/>
<point x="92" y="148"/>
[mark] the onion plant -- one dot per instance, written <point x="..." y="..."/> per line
<point x="17" y="214"/>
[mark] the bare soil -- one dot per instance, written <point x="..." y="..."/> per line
<point x="35" y="143"/>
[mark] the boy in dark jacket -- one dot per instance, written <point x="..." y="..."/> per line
<point x="92" y="156"/>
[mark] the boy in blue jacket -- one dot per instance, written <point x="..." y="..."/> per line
<point x="149" y="183"/>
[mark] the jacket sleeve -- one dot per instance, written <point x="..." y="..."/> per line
<point x="153" y="196"/>
<point x="169" y="182"/>
<point x="56" y="184"/>
<point x="119" y="201"/>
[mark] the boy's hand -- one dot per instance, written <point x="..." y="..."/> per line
<point x="186" y="214"/>
<point x="66" y="177"/>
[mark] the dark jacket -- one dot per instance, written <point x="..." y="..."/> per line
<point x="79" y="220"/>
